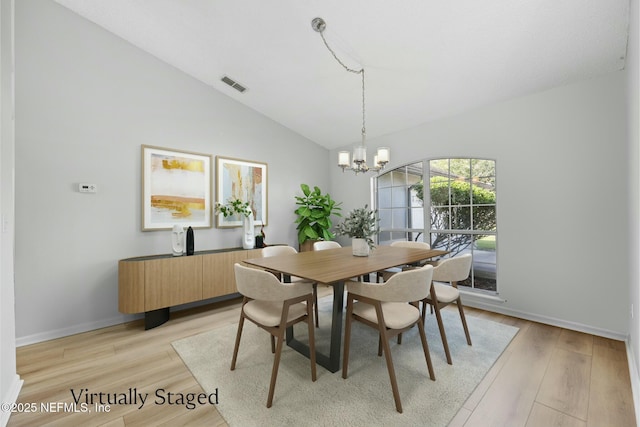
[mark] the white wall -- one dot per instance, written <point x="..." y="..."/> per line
<point x="85" y="102"/>
<point x="562" y="197"/>
<point x="10" y="382"/>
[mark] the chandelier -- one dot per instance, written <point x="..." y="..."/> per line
<point x="359" y="151"/>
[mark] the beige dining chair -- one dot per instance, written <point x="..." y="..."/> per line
<point x="451" y="271"/>
<point x="273" y="306"/>
<point x="391" y="308"/>
<point x="325" y="244"/>
<point x="386" y="274"/>
<point x="270" y="251"/>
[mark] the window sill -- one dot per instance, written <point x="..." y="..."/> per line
<point x="481" y="298"/>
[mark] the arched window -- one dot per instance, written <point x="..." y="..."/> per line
<point x="454" y="209"/>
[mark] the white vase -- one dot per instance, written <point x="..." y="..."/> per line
<point x="360" y="247"/>
<point x="248" y="234"/>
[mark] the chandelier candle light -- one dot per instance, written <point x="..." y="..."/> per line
<point x="360" y="151"/>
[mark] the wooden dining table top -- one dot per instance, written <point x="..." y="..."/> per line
<point x="336" y="265"/>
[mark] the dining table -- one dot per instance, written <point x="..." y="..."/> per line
<point x="335" y="267"/>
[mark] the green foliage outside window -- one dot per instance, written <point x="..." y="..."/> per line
<point x="451" y="209"/>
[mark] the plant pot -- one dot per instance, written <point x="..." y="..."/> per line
<point x="307" y="245"/>
<point x="360" y="247"/>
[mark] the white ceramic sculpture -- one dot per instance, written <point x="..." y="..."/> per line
<point x="177" y="240"/>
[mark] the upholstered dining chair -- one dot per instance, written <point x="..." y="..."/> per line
<point x="451" y="270"/>
<point x="270" y="251"/>
<point x="385" y="275"/>
<point x="391" y="308"/>
<point x="325" y="244"/>
<point x="273" y="306"/>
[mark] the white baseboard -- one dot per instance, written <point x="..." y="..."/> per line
<point x="10" y="397"/>
<point x="91" y="326"/>
<point x="635" y="381"/>
<point x="491" y="303"/>
<point x="75" y="329"/>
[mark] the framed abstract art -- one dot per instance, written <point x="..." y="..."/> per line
<point x="176" y="189"/>
<point x="244" y="180"/>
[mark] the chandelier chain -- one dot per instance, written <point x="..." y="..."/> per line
<point x="351" y="70"/>
<point x="359" y="164"/>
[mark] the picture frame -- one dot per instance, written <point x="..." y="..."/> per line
<point x="245" y="180"/>
<point x="176" y="189"/>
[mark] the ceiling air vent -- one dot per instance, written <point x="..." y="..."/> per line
<point x="233" y="84"/>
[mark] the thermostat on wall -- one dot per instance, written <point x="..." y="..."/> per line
<point x="87" y="188"/>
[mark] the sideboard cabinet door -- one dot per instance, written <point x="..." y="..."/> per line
<point x="218" y="277"/>
<point x="172" y="281"/>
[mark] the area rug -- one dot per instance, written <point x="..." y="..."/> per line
<point x="365" y="397"/>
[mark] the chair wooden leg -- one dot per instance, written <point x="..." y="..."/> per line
<point x="399" y="339"/>
<point x="276" y="364"/>
<point x="315" y="304"/>
<point x="237" y="346"/>
<point x="387" y="355"/>
<point x="425" y="347"/>
<point x="464" y="320"/>
<point x="443" y="335"/>
<point x="273" y="344"/>
<point x="347" y="337"/>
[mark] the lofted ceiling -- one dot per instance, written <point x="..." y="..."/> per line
<point x="423" y="59"/>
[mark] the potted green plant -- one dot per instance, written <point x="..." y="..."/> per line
<point x="361" y="225"/>
<point x="314" y="215"/>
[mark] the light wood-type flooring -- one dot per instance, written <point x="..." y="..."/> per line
<point x="547" y="376"/>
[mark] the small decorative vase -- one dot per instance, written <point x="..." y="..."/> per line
<point x="190" y="242"/>
<point x="360" y="247"/>
<point x="248" y="235"/>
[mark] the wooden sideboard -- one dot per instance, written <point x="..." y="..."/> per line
<point x="152" y="284"/>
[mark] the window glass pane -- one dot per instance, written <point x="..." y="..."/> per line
<point x="484" y="171"/>
<point x="441" y="165"/>
<point x="483" y="269"/>
<point x="384" y="237"/>
<point x="384" y="198"/>
<point x="483" y="194"/>
<point x="399" y="218"/>
<point x="460" y="168"/>
<point x="454" y="243"/>
<point x="414" y="173"/>
<point x="416" y="196"/>
<point x="398" y="177"/>
<point x="460" y="218"/>
<point x="460" y="192"/>
<point x="385" y="218"/>
<point x="384" y="180"/>
<point x="416" y="219"/>
<point x="399" y="197"/>
<point x="484" y="218"/>
<point x="399" y="236"/>
<point x="439" y="191"/>
<point x="418" y="237"/>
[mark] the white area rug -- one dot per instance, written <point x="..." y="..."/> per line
<point x="365" y="397"/>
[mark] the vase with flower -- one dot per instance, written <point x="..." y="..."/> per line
<point x="241" y="208"/>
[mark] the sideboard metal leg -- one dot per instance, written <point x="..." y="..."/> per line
<point x="155" y="318"/>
